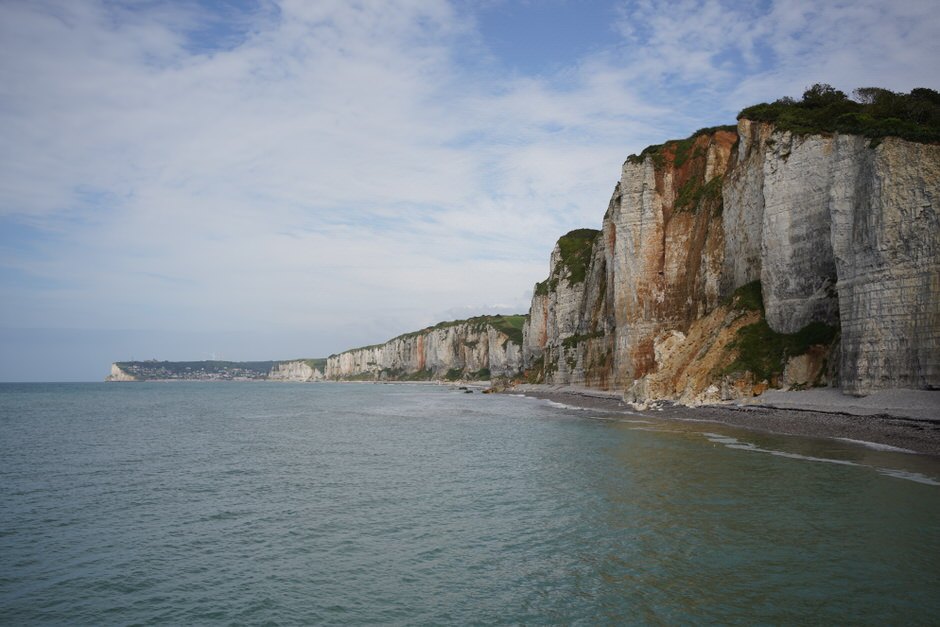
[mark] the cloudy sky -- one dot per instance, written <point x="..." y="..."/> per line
<point x="261" y="179"/>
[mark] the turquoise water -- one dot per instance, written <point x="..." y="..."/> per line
<point x="183" y="503"/>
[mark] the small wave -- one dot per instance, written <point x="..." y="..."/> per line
<point x="736" y="444"/>
<point x="878" y="447"/>
<point x="563" y="406"/>
<point x="748" y="446"/>
<point x="910" y="476"/>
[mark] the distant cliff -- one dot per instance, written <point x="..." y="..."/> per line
<point x="152" y="370"/>
<point x="478" y="348"/>
<point x="298" y="370"/>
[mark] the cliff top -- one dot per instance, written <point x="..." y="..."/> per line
<point x="574" y="249"/>
<point x="510" y="325"/>
<point x="180" y="367"/>
<point x="875" y="113"/>
<point x="678" y="149"/>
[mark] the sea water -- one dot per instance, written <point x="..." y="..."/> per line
<point x="201" y="503"/>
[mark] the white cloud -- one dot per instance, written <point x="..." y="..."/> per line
<point x="689" y="48"/>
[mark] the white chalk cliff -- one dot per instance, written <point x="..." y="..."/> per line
<point x="821" y="250"/>
<point x="739" y="259"/>
<point x="475" y="348"/>
<point x="838" y="230"/>
<point x="298" y="370"/>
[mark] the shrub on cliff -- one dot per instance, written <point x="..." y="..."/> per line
<point x="576" y="248"/>
<point x="875" y="113"/>
<point x="763" y="351"/>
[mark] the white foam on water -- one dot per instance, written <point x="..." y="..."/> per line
<point x="734" y="443"/>
<point x="910" y="476"/>
<point x="879" y="447"/>
<point x="563" y="406"/>
<point x="810" y="458"/>
<point x="747" y="446"/>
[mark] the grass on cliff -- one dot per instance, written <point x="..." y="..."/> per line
<point x="572" y="341"/>
<point x="694" y="191"/>
<point x="511" y="325"/>
<point x="683" y="147"/>
<point x="748" y="297"/>
<point x="576" y="248"/>
<point x="874" y="113"/>
<point x="763" y="351"/>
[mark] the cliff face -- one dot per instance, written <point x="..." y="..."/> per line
<point x="476" y="348"/>
<point x="299" y="370"/>
<point x="848" y="236"/>
<point x="840" y="232"/>
<point x="152" y="370"/>
<point x="118" y="374"/>
<point x="735" y="260"/>
<point x="569" y="308"/>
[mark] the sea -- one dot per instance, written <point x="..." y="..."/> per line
<point x="188" y="503"/>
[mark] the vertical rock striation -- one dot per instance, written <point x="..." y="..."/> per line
<point x="737" y="259"/>
<point x="841" y="233"/>
<point x="297" y="370"/>
<point x="886" y="241"/>
<point x="477" y="348"/>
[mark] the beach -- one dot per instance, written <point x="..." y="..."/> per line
<point x="899" y="419"/>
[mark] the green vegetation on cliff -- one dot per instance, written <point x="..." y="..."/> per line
<point x="510" y="325"/>
<point x="682" y="147"/>
<point x="763" y="351"/>
<point x="692" y="194"/>
<point x="575" y="248"/>
<point x="572" y="341"/>
<point x="874" y="113"/>
<point x="316" y="364"/>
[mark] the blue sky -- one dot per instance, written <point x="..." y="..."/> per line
<point x="262" y="180"/>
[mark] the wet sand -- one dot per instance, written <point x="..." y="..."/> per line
<point x="905" y="419"/>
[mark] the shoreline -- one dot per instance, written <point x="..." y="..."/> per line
<point x="915" y="428"/>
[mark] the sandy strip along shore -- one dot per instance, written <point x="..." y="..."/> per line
<point x="908" y="419"/>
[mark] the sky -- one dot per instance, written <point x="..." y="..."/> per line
<point x="261" y="179"/>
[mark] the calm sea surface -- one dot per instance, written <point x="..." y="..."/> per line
<point x="192" y="503"/>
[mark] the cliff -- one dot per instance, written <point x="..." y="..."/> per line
<point x="753" y="257"/>
<point x="478" y="348"/>
<point x="119" y="374"/>
<point x="298" y="370"/>
<point x="152" y="370"/>
<point x="799" y="248"/>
